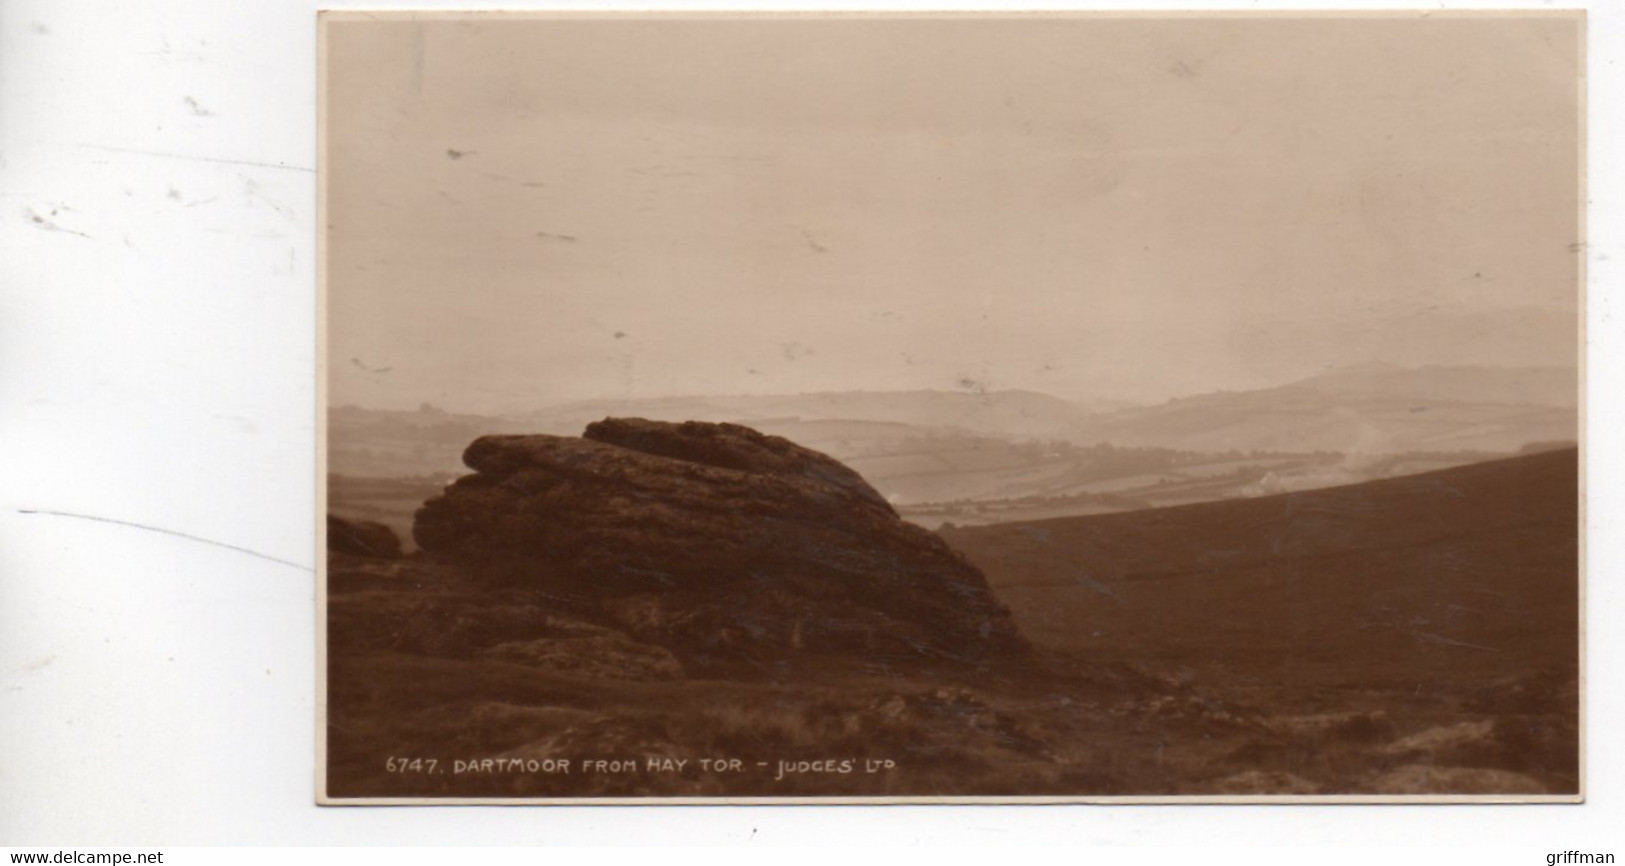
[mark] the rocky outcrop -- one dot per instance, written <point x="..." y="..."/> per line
<point x="361" y="538"/>
<point x="715" y="540"/>
<point x="732" y="446"/>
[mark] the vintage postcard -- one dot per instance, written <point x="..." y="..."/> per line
<point x="896" y="407"/>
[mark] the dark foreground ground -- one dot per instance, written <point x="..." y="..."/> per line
<point x="1410" y="636"/>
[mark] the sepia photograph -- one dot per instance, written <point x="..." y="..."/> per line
<point x="950" y="407"/>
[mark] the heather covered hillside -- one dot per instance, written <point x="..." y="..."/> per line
<point x="701" y="610"/>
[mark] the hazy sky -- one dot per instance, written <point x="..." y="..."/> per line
<point x="527" y="211"/>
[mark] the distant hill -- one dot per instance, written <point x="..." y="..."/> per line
<point x="1465" y="572"/>
<point x="1556" y="387"/>
<point x="1013" y="415"/>
<point x="847" y="425"/>
<point x="383" y="443"/>
<point x="969" y="457"/>
<point x="1366" y="409"/>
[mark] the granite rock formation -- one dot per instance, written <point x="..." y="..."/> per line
<point x="361" y="538"/>
<point x="717" y="541"/>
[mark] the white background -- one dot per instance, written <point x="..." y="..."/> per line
<point x="157" y="346"/>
